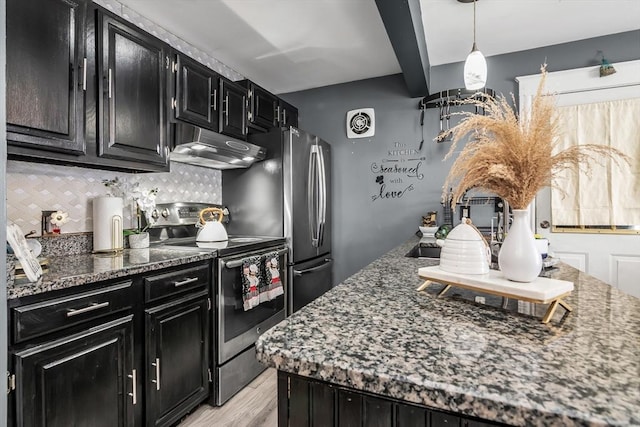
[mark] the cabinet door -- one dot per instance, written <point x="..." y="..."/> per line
<point x="262" y="107"/>
<point x="233" y="113"/>
<point x="177" y="358"/>
<point x="132" y="67"/>
<point x="86" y="379"/>
<point x="46" y="74"/>
<point x="287" y="114"/>
<point x="196" y="95"/>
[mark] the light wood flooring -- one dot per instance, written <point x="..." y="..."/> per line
<point x="254" y="406"/>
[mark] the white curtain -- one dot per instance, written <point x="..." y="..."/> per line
<point x="609" y="194"/>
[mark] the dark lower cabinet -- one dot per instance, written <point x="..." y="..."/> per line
<point x="131" y="72"/>
<point x="46" y="74"/>
<point x="85" y="379"/>
<point x="177" y="358"/>
<point x="303" y="402"/>
<point x="127" y="352"/>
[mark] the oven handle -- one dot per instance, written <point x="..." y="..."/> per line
<point x="238" y="262"/>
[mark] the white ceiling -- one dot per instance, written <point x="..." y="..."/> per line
<point x="290" y="45"/>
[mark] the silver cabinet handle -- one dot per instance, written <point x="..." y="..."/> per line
<point x="94" y="306"/>
<point x="84" y="74"/>
<point x="157" y="380"/>
<point x="245" y="126"/>
<point x="215" y="99"/>
<point x="226" y="110"/>
<point x="109" y="83"/>
<point x="185" y="281"/>
<point x="134" y="388"/>
<point x="278" y="116"/>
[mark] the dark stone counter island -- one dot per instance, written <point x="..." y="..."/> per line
<point x="373" y="351"/>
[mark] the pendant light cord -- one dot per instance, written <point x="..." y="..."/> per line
<point x="474" y="27"/>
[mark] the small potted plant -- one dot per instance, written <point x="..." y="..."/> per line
<point x="145" y="203"/>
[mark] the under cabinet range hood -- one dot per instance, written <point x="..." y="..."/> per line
<point x="202" y="147"/>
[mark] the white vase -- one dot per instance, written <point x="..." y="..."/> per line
<point x="139" y="241"/>
<point x="519" y="258"/>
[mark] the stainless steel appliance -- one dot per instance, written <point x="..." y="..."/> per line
<point x="234" y="330"/>
<point x="288" y="194"/>
<point x="202" y="147"/>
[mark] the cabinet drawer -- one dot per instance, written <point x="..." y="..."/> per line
<point x="175" y="282"/>
<point x="52" y="315"/>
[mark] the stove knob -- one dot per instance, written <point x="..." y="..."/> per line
<point x="165" y="213"/>
<point x="155" y="214"/>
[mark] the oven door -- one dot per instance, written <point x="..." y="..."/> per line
<point x="239" y="329"/>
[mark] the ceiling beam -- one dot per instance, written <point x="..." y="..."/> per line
<point x="403" y="22"/>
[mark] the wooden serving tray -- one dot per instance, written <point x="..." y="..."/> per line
<point x="541" y="291"/>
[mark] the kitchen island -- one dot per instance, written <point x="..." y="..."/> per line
<point x="379" y="349"/>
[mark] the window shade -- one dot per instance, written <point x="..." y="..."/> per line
<point x="609" y="194"/>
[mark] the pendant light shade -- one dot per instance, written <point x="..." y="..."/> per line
<point x="475" y="67"/>
<point x="475" y="70"/>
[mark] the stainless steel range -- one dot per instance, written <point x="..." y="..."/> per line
<point x="234" y="329"/>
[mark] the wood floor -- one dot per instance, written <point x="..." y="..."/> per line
<point x="254" y="406"/>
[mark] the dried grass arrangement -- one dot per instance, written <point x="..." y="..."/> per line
<point x="514" y="157"/>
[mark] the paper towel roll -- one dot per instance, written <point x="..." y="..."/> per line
<point x="107" y="224"/>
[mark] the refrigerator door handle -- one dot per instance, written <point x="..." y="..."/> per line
<point x="327" y="263"/>
<point x="313" y="195"/>
<point x="322" y="204"/>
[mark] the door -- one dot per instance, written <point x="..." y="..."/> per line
<point x="309" y="280"/>
<point x="196" y="95"/>
<point x="233" y="112"/>
<point x="81" y="380"/>
<point x="177" y="358"/>
<point x="287" y="114"/>
<point x="612" y="258"/>
<point x="132" y="68"/>
<point x="308" y="187"/>
<point x="262" y="107"/>
<point x="46" y="74"/>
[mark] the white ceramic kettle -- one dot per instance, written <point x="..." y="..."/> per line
<point x="211" y="231"/>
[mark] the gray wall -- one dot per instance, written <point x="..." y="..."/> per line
<point x="3" y="217"/>
<point x="365" y="228"/>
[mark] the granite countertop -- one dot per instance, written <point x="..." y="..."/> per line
<point x="74" y="270"/>
<point x="375" y="333"/>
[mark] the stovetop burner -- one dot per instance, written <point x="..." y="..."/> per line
<point x="175" y="228"/>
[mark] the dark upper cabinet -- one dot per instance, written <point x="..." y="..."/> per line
<point x="195" y="99"/>
<point x="85" y="379"/>
<point x="46" y="74"/>
<point x="287" y="114"/>
<point x="131" y="73"/>
<point x="262" y="111"/>
<point x="177" y="358"/>
<point x="233" y="109"/>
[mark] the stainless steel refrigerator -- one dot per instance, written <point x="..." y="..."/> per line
<point x="288" y="194"/>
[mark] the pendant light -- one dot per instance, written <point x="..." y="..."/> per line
<point x="475" y="67"/>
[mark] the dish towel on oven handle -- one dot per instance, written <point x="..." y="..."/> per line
<point x="252" y="282"/>
<point x="272" y="275"/>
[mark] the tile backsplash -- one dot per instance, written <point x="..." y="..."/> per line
<point x="35" y="187"/>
